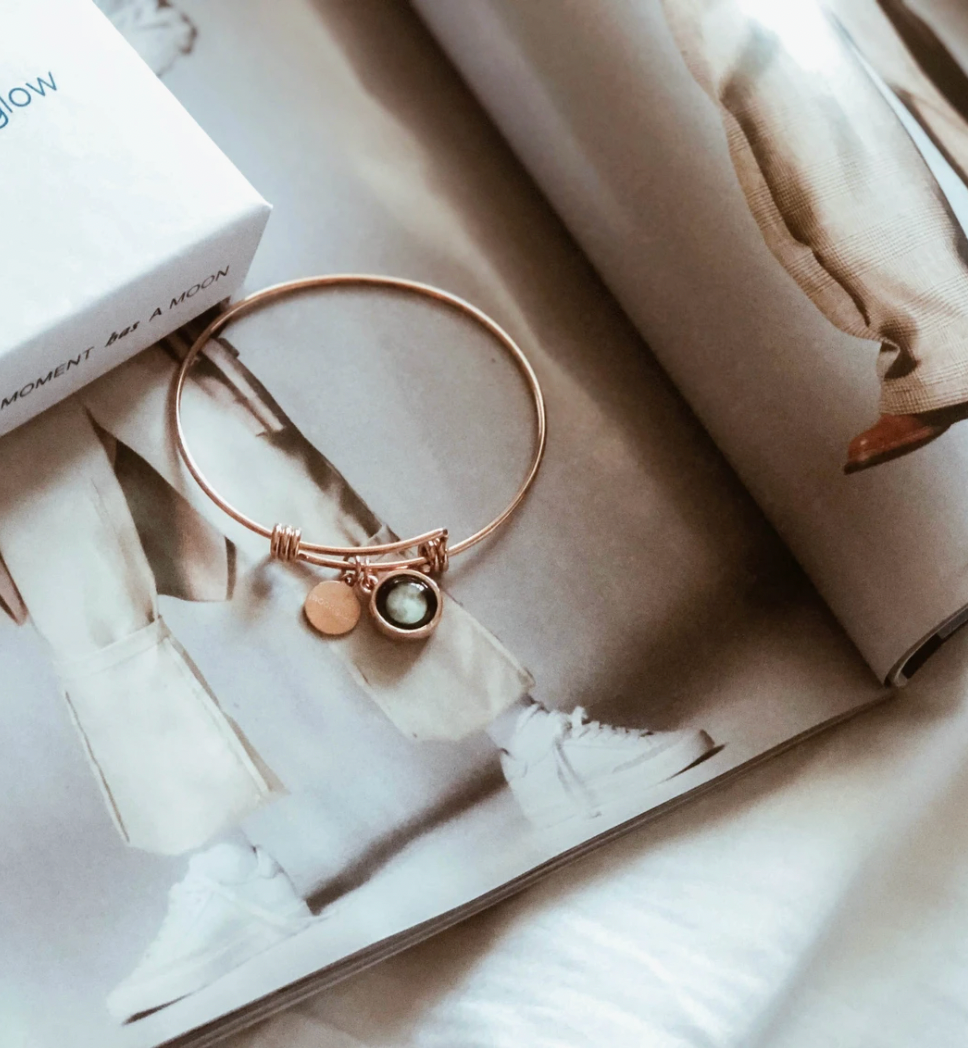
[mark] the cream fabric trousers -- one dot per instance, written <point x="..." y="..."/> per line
<point x="843" y="198"/>
<point x="175" y="770"/>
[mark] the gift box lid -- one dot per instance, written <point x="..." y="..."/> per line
<point x="112" y="198"/>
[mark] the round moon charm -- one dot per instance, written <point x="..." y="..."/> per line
<point x="406" y="605"/>
<point x="332" y="608"/>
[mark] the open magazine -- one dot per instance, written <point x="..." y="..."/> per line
<point x="210" y="810"/>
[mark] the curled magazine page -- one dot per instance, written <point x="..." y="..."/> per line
<point x="776" y="194"/>
<point x="211" y="810"/>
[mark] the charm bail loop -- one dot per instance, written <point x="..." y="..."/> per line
<point x="285" y="543"/>
<point x="436" y="554"/>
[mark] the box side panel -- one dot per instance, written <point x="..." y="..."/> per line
<point x="43" y="371"/>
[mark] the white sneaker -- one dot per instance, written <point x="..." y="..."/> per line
<point x="233" y="904"/>
<point x="559" y="766"/>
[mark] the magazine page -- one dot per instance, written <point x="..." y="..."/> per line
<point x="775" y="193"/>
<point x="206" y="802"/>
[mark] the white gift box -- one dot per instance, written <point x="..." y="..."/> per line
<point x="119" y="218"/>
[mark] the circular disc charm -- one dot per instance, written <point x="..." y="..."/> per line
<point x="406" y="605"/>
<point x="332" y="608"/>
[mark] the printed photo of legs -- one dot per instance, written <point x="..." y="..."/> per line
<point x="840" y="188"/>
<point x="98" y="480"/>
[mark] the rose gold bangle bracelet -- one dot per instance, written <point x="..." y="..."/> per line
<point x="403" y="599"/>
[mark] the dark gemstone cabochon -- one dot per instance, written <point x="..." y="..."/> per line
<point x="387" y="587"/>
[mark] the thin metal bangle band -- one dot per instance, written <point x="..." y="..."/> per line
<point x="286" y="542"/>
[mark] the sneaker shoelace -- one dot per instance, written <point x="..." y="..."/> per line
<point x="579" y="726"/>
<point x="571" y="726"/>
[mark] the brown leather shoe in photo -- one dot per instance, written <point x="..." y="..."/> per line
<point x="889" y="438"/>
